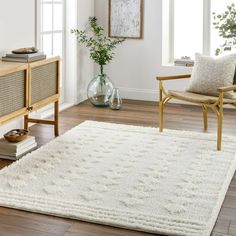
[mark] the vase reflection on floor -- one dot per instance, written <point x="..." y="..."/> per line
<point x="100" y="90"/>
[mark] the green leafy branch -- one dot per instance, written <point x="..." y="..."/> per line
<point x="101" y="47"/>
<point x="225" y="23"/>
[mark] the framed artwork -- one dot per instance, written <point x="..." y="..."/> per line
<point x="126" y="18"/>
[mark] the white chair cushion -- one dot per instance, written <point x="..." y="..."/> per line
<point x="209" y="74"/>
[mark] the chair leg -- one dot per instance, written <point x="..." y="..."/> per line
<point x="220" y="123"/>
<point x="162" y="102"/>
<point x="161" y="110"/>
<point x="161" y="106"/>
<point x="219" y="132"/>
<point x="205" y="110"/>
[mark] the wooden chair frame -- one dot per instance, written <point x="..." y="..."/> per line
<point x="217" y="106"/>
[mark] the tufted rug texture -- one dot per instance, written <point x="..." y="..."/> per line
<point x="132" y="177"/>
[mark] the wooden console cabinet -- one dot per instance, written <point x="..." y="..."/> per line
<point x="26" y="87"/>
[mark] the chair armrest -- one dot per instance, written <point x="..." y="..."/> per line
<point x="172" y="77"/>
<point x="227" y="89"/>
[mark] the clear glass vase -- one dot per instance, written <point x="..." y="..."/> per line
<point x="115" y="102"/>
<point x="100" y="90"/>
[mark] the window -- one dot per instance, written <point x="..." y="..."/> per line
<point x="190" y="27"/>
<point x="50" y="30"/>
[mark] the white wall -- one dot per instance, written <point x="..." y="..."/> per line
<point x="17" y="24"/>
<point x="138" y="62"/>
<point x="17" y="29"/>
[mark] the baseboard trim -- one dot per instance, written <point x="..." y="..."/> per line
<point x="139" y="94"/>
<point x="63" y="106"/>
<point x="145" y="95"/>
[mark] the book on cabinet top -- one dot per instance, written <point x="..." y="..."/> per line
<point x="24" y="60"/>
<point x="31" y="55"/>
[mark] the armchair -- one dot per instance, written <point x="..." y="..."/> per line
<point x="212" y="102"/>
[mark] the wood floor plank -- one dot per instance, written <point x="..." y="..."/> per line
<point x="222" y="226"/>
<point x="227" y="214"/>
<point x="83" y="228"/>
<point x="33" y="224"/>
<point x="232" y="228"/>
<point x="230" y="201"/>
<point x="11" y="230"/>
<point x="44" y="219"/>
<point x="220" y="234"/>
<point x="139" y="113"/>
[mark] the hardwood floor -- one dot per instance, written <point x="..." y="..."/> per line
<point x="20" y="223"/>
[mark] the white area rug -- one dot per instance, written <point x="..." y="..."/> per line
<point x="133" y="177"/>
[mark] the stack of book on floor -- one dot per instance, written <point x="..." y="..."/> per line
<point x="27" y="57"/>
<point x="14" y="151"/>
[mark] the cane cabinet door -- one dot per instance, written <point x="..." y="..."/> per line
<point x="43" y="82"/>
<point x="13" y="90"/>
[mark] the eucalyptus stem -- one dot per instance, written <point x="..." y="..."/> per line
<point x="101" y="70"/>
<point x="102" y="76"/>
<point x="101" y="47"/>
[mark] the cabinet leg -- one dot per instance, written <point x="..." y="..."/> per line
<point x="56" y="118"/>
<point x="26" y="123"/>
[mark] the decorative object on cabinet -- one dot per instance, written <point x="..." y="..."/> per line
<point x="126" y="19"/>
<point x="101" y="51"/>
<point x="25" y="50"/>
<point x="26" y="87"/>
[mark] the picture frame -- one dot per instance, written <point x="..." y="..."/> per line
<point x="126" y="19"/>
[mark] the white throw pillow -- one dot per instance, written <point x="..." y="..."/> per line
<point x="209" y="74"/>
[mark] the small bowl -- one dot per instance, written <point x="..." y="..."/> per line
<point x="16" y="135"/>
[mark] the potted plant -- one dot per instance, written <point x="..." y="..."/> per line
<point x="225" y="23"/>
<point x="101" y="51"/>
